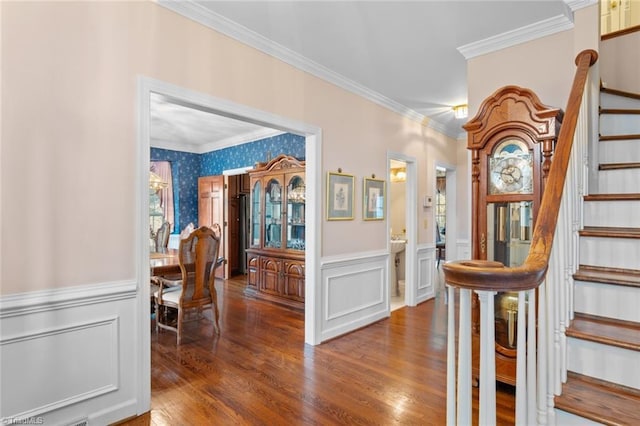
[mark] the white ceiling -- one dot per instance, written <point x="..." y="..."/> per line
<point x="185" y="127"/>
<point x="409" y="56"/>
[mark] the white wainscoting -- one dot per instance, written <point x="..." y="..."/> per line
<point x="463" y="251"/>
<point x="355" y="289"/>
<point x="354" y="292"/>
<point x="426" y="258"/>
<point x="69" y="354"/>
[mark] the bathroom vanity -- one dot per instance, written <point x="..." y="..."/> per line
<point x="276" y="253"/>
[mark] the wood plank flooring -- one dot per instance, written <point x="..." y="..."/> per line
<point x="259" y="371"/>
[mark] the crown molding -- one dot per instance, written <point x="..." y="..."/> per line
<point x="240" y="139"/>
<point x="221" y="24"/>
<point x="217" y="22"/>
<point x="579" y="4"/>
<point x="521" y="35"/>
<point x="257" y="135"/>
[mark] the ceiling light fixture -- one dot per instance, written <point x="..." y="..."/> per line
<point x="460" y="111"/>
<point x="398" y="174"/>
<point x="156" y="183"/>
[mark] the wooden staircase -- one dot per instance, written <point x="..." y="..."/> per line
<point x="603" y="339"/>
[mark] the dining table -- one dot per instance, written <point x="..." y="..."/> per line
<point x="164" y="262"/>
<point x="167" y="262"/>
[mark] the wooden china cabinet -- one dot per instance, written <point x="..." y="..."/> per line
<point x="511" y="140"/>
<point x="276" y="253"/>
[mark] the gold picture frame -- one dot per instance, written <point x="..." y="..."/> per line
<point x="340" y="196"/>
<point x="373" y="199"/>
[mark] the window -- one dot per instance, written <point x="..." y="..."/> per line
<point x="441" y="205"/>
<point x="161" y="202"/>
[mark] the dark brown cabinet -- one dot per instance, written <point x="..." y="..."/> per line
<point x="275" y="257"/>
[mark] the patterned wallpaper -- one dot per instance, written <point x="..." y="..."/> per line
<point x="188" y="167"/>
<point x="246" y="155"/>
<point x="185" y="168"/>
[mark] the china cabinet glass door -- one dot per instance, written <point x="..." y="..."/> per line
<point x="296" y="213"/>
<point x="256" y="214"/>
<point x="273" y="214"/>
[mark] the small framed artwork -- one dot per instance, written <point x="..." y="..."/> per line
<point x="339" y="196"/>
<point x="373" y="199"/>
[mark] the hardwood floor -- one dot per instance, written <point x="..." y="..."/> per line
<point x="259" y="370"/>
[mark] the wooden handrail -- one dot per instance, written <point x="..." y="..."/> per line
<point x="494" y="276"/>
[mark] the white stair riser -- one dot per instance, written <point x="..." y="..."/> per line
<point x="610" y="252"/>
<point x="622" y="214"/>
<point x="619" y="124"/>
<point x="607" y="300"/>
<point x="568" y="419"/>
<point x="623" y="181"/>
<point x="608" y="100"/>
<point x="604" y="362"/>
<point x="623" y="151"/>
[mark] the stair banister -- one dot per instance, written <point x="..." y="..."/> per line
<point x="488" y="277"/>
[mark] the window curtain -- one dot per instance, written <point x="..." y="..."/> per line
<point x="441" y="183"/>
<point x="163" y="169"/>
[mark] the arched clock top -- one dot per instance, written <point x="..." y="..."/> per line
<point x="513" y="109"/>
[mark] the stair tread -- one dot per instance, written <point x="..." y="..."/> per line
<point x="623" y="334"/>
<point x="599" y="400"/>
<point x="622" y="93"/>
<point x="609" y="231"/>
<point x="620" y="276"/>
<point x="617" y="166"/>
<point x="604" y="138"/>
<point x="612" y="197"/>
<point x="619" y="111"/>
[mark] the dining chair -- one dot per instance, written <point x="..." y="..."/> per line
<point x="198" y="260"/>
<point x="162" y="236"/>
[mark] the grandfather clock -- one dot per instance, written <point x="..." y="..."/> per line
<point x="511" y="141"/>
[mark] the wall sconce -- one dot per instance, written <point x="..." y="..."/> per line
<point x="398" y="175"/>
<point x="461" y="111"/>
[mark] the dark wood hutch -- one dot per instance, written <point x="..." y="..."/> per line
<point x="276" y="253"/>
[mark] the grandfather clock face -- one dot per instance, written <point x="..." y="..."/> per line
<point x="510" y="168"/>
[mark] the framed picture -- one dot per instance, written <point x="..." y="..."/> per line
<point x="373" y="199"/>
<point x="339" y="196"/>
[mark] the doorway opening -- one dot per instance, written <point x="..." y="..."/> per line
<point x="441" y="214"/>
<point x="398" y="233"/>
<point x="312" y="135"/>
<point x="445" y="219"/>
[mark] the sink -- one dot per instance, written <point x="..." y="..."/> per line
<point x="398" y="246"/>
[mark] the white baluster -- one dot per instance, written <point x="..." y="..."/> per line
<point x="531" y="358"/>
<point x="451" y="357"/>
<point x="487" y="409"/>
<point x="550" y="338"/>
<point x="521" y="368"/>
<point x="464" y="358"/>
<point x="542" y="354"/>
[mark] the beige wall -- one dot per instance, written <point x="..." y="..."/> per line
<point x="545" y="65"/>
<point x="617" y="56"/>
<point x="69" y="127"/>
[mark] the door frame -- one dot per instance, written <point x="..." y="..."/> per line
<point x="313" y="162"/>
<point x="411" y="222"/>
<point x="451" y="235"/>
